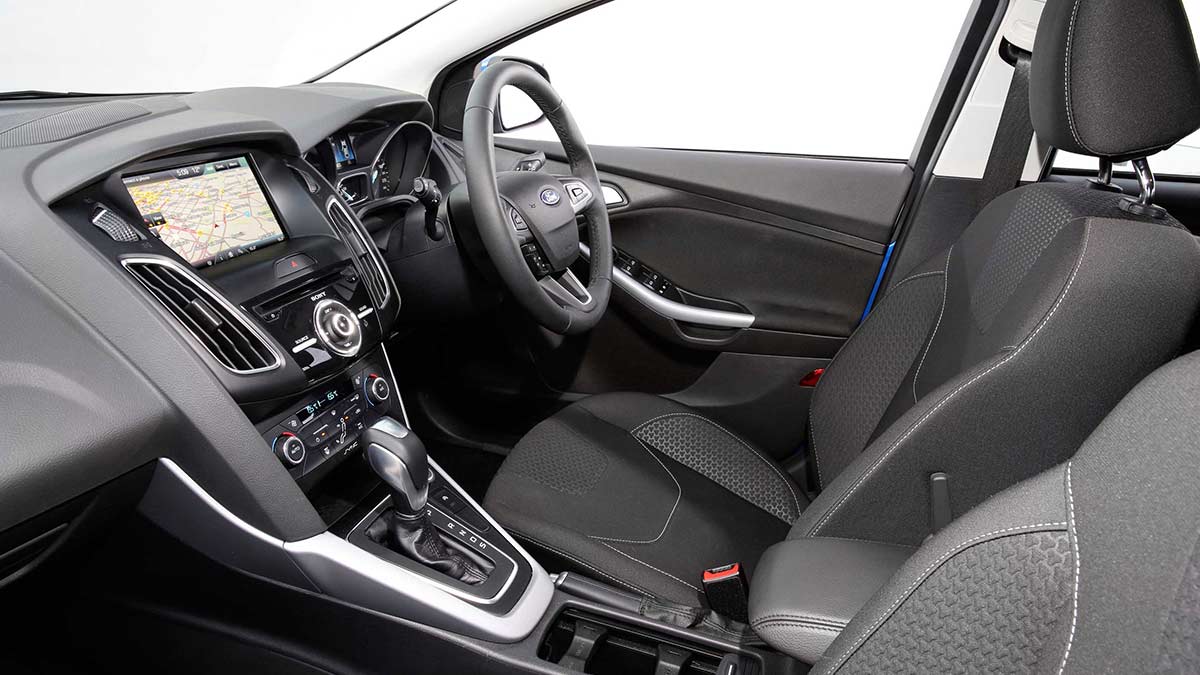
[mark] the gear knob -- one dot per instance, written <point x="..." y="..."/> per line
<point x="399" y="457"/>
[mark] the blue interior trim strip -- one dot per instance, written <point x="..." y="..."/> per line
<point x="887" y="257"/>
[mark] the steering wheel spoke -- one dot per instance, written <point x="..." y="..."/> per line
<point x="566" y="289"/>
<point x="527" y="221"/>
<point x="578" y="192"/>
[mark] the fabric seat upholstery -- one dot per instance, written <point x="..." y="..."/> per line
<point x="1093" y="566"/>
<point x="990" y="362"/>
<point x="642" y="492"/>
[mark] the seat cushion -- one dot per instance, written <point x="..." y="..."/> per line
<point x="642" y="492"/>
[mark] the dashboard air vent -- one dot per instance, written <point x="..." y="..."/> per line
<point x="360" y="245"/>
<point x="224" y="331"/>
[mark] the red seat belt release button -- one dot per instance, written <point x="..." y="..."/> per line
<point x="726" y="590"/>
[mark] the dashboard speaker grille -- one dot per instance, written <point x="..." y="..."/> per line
<point x="359" y="243"/>
<point x="225" y="332"/>
<point x="17" y="131"/>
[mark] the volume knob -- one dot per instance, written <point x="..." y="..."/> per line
<point x="337" y="327"/>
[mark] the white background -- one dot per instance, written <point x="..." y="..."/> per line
<point x="845" y="77"/>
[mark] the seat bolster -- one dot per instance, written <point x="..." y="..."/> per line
<point x="943" y="582"/>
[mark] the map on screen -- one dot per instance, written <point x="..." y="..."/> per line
<point x="206" y="212"/>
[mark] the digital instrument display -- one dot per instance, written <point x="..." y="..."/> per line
<point x="343" y="151"/>
<point x="206" y="212"/>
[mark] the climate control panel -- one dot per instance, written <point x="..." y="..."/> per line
<point x="323" y="427"/>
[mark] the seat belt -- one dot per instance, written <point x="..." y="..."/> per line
<point x="1010" y="147"/>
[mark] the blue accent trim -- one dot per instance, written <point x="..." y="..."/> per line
<point x="887" y="257"/>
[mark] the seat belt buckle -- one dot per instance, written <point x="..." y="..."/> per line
<point x="726" y="590"/>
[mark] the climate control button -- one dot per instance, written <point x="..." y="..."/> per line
<point x="289" y="448"/>
<point x="378" y="389"/>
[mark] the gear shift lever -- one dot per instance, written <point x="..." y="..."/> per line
<point x="399" y="457"/>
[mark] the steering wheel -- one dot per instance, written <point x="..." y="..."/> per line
<point x="526" y="219"/>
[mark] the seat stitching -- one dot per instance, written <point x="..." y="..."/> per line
<point x="581" y="562"/>
<point x="1067" y="78"/>
<point x="812" y="424"/>
<point x="771" y="465"/>
<point x="678" y="498"/>
<point x="642" y="562"/>
<point x="938" y="406"/>
<point x="936" y="326"/>
<point x="1073" y="534"/>
<point x="925" y="574"/>
<point x="809" y="626"/>
<point x="799" y="617"/>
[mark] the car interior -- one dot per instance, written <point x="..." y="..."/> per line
<point x="349" y="377"/>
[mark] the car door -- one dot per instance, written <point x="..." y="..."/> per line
<point x="757" y="161"/>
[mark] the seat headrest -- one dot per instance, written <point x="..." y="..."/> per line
<point x="1114" y="78"/>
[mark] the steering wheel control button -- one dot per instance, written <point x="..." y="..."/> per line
<point x="533" y="258"/>
<point x="518" y="222"/>
<point x="289" y="448"/>
<point x="378" y="389"/>
<point x="337" y="327"/>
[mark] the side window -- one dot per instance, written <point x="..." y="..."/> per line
<point x="1182" y="159"/>
<point x="847" y="78"/>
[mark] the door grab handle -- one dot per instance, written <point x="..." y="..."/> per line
<point x="700" y="316"/>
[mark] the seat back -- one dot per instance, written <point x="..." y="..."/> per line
<point x="993" y="360"/>
<point x="1093" y="566"/>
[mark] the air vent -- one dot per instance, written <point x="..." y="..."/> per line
<point x="361" y="245"/>
<point x="224" y="331"/>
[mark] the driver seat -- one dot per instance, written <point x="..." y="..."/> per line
<point x="989" y="363"/>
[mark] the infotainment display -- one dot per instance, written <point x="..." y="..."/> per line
<point x="206" y="212"/>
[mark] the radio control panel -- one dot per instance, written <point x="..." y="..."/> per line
<point x="325" y="324"/>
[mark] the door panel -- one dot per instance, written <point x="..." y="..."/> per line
<point x="794" y="241"/>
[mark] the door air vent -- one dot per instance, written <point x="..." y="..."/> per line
<point x="361" y="245"/>
<point x="226" y="332"/>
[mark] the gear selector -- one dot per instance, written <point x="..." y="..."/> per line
<point x="400" y="459"/>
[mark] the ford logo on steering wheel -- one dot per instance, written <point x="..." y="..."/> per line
<point x="550" y="197"/>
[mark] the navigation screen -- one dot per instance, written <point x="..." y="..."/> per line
<point x="206" y="212"/>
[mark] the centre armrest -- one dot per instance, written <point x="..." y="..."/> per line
<point x="805" y="591"/>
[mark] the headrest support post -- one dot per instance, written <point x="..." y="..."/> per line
<point x="1144" y="204"/>
<point x="1106" y="171"/>
<point x="1145" y="178"/>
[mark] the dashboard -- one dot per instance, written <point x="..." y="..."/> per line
<point x="188" y="278"/>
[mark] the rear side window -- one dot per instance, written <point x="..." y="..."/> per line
<point x="847" y="78"/>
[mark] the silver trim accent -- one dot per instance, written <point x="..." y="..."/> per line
<point x="367" y="243"/>
<point x="304" y="345"/>
<point x="366" y="312"/>
<point x="612" y="195"/>
<point x="382" y="506"/>
<point x="249" y="323"/>
<point x="567" y="290"/>
<point x="329" y="340"/>
<point x="116" y="227"/>
<point x="329" y="564"/>
<point x="366" y="174"/>
<point x="581" y="203"/>
<point x="670" y="309"/>
<point x="395" y="385"/>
